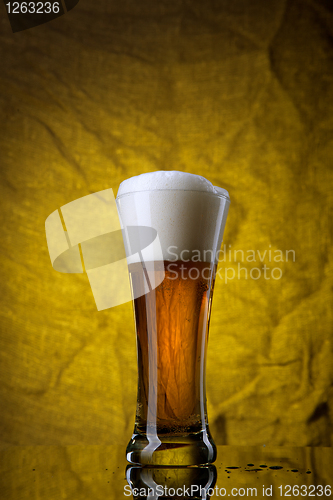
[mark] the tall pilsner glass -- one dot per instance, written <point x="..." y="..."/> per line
<point x="172" y="318"/>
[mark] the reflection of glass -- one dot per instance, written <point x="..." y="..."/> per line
<point x="172" y="322"/>
<point x="192" y="483"/>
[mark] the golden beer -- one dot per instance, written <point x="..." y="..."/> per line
<point x="179" y="307"/>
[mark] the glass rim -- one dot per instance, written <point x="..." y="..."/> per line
<point x="219" y="195"/>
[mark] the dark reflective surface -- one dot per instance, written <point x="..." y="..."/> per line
<point x="99" y="473"/>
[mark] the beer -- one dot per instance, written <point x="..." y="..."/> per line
<point x="181" y="304"/>
<point x="172" y="282"/>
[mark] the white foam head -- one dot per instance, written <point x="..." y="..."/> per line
<point x="186" y="210"/>
<point x="167" y="180"/>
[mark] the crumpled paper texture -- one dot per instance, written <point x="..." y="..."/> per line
<point x="240" y="92"/>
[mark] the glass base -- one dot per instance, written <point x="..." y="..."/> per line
<point x="168" y="450"/>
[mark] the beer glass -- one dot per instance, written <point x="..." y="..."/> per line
<point x="173" y="293"/>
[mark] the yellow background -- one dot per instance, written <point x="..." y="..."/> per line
<point x="240" y="92"/>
